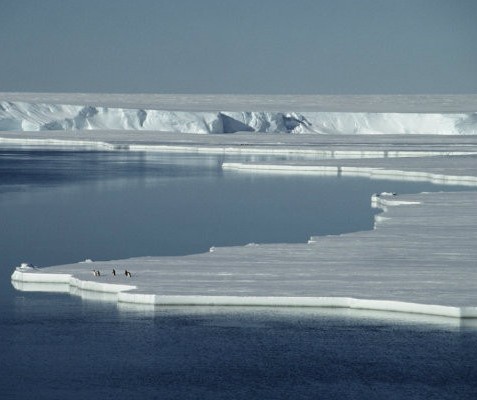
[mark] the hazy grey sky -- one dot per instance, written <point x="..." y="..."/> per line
<point x="246" y="46"/>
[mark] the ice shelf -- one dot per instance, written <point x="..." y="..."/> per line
<point x="300" y="114"/>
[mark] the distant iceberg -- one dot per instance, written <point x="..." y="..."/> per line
<point x="25" y="116"/>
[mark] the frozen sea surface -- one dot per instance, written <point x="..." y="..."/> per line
<point x="419" y="258"/>
<point x="342" y="271"/>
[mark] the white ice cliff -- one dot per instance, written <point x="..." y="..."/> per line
<point x="24" y="116"/>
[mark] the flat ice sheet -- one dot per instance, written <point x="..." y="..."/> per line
<point x="200" y="102"/>
<point x="422" y="251"/>
<point x="334" y="146"/>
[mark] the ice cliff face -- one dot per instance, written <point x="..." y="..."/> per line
<point x="21" y="116"/>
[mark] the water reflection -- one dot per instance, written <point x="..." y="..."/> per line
<point x="304" y="313"/>
<point x="234" y="312"/>
<point x="41" y="287"/>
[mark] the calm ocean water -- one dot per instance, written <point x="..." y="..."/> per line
<point x="63" y="206"/>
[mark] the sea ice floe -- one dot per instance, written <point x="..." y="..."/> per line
<point x="419" y="259"/>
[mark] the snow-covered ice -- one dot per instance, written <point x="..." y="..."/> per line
<point x="229" y="114"/>
<point x="17" y="116"/>
<point x="420" y="258"/>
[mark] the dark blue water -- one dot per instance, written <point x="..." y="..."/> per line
<point x="58" y="207"/>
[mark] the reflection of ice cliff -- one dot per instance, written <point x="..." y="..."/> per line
<point x="22" y="116"/>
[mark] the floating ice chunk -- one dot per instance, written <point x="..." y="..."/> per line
<point x="26" y="266"/>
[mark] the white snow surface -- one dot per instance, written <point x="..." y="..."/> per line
<point x="32" y="116"/>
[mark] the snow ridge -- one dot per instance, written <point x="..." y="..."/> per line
<point x="23" y="116"/>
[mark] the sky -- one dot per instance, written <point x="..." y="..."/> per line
<point x="239" y="47"/>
